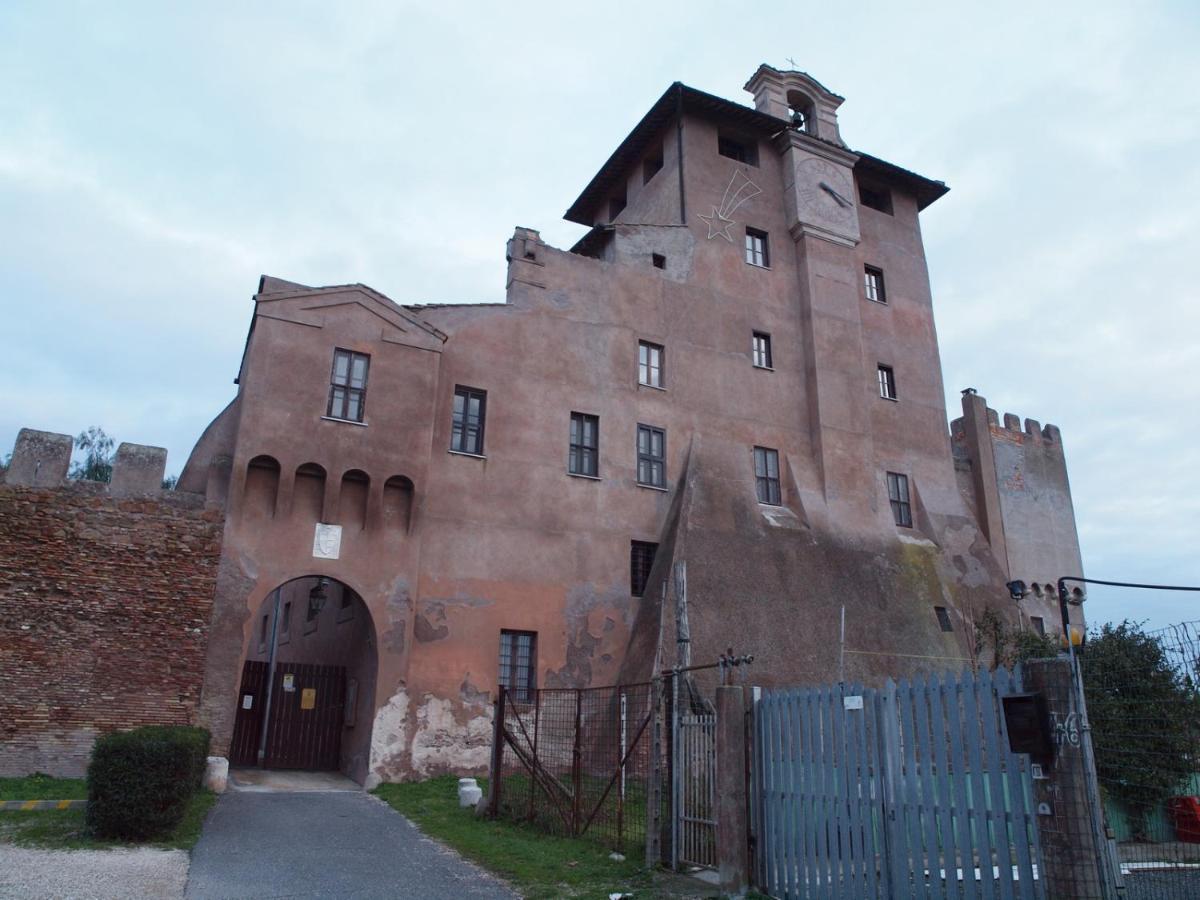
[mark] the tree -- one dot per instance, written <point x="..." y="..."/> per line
<point x="169" y="483"/>
<point x="1008" y="645"/>
<point x="1142" y="710"/>
<point x="97" y="448"/>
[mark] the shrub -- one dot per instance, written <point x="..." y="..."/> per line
<point x="140" y="781"/>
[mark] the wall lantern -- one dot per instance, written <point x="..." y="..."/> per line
<point x="317" y="597"/>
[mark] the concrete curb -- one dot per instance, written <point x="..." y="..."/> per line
<point x="33" y="805"/>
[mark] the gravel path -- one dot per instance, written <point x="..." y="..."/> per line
<point x="91" y="874"/>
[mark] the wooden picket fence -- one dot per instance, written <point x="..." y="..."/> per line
<point x="907" y="791"/>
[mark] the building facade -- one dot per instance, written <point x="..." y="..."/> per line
<point x="736" y="369"/>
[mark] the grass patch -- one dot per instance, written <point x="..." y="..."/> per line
<point x="66" y="829"/>
<point x="39" y="786"/>
<point x="542" y="866"/>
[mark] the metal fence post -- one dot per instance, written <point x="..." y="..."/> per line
<point x="654" y="787"/>
<point x="497" y="755"/>
<point x="577" y="765"/>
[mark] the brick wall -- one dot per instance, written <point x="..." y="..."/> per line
<point x="104" y="613"/>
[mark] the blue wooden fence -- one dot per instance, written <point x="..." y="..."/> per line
<point x="908" y="791"/>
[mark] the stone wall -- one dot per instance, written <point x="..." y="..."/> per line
<point x="105" y="596"/>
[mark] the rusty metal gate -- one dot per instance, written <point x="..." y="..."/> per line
<point x="305" y="727"/>
<point x="908" y="791"/>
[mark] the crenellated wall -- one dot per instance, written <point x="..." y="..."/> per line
<point x="105" y="596"/>
<point x="1016" y="476"/>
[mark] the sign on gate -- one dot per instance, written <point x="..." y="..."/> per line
<point x="908" y="791"/>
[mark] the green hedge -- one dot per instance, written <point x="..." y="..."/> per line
<point x="140" y="781"/>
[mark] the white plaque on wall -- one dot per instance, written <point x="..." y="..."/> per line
<point x="327" y="542"/>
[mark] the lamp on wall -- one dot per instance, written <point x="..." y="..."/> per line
<point x="1017" y="590"/>
<point x="317" y="597"/>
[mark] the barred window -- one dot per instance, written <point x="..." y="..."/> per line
<point x="651" y="456"/>
<point x="757" y="253"/>
<point x="470" y="409"/>
<point x="650" y="364"/>
<point x="873" y="283"/>
<point x="641" y="561"/>
<point x="584" y="458"/>
<point x="897" y="485"/>
<point x="348" y="386"/>
<point x="518" y="664"/>
<point x="762" y="349"/>
<point x="887" y="382"/>
<point x="766" y="476"/>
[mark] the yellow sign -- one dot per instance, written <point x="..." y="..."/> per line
<point x="308" y="698"/>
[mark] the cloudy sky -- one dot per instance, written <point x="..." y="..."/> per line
<point x="154" y="161"/>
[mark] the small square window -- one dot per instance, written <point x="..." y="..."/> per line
<point x="873" y="283"/>
<point x="766" y="476"/>
<point x="898" y="496"/>
<point x="943" y="617"/>
<point x="761" y="348"/>
<point x="739" y="149"/>
<point x="470" y="411"/>
<point x="887" y="382"/>
<point x="651" y="456"/>
<point x="518" y="664"/>
<point x="650" y="364"/>
<point x="1039" y="625"/>
<point x="348" y="386"/>
<point x="641" y="561"/>
<point x="877" y="198"/>
<point x="660" y="261"/>
<point x="584" y="455"/>
<point x="757" y="251"/>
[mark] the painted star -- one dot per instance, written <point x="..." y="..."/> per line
<point x="718" y="224"/>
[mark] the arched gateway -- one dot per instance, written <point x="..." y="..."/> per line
<point x="306" y="697"/>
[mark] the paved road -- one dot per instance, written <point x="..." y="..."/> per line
<point x="349" y="844"/>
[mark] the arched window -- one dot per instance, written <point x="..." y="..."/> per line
<point x="262" y="486"/>
<point x="352" y="502"/>
<point x="308" y="495"/>
<point x="397" y="503"/>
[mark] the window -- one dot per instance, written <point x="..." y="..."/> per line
<point x="470" y="408"/>
<point x="650" y="364"/>
<point x="263" y="634"/>
<point x="756" y="248"/>
<point x="585" y="445"/>
<point x="873" y="279"/>
<point x="1039" y="625"/>
<point x="660" y="261"/>
<point x="651" y="167"/>
<point x="878" y="198"/>
<point x="615" y="205"/>
<point x="943" y="617"/>
<point x="285" y="623"/>
<point x="887" y="382"/>
<point x="641" y="561"/>
<point x="348" y="386"/>
<point x="651" y="456"/>
<point x="766" y="476"/>
<point x="743" y="151"/>
<point x="898" y="496"/>
<point x="518" y="664"/>
<point x="762" y="349"/>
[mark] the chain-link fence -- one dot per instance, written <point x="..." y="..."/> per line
<point x="1142" y="690"/>
<point x="580" y="762"/>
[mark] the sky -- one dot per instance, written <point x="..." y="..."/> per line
<point x="156" y="158"/>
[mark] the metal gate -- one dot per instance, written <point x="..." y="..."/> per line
<point x="909" y="791"/>
<point x="305" y="727"/>
<point x="694" y="790"/>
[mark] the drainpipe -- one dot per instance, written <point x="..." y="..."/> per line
<point x="266" y="712"/>
<point x="679" y="149"/>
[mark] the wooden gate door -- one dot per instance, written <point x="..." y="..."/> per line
<point x="247" y="725"/>
<point x="305" y="731"/>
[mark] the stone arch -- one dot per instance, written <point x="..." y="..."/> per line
<point x="308" y="492"/>
<point x="352" y="499"/>
<point x="317" y="629"/>
<point x="398" y="495"/>
<point x="262" y="486"/>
